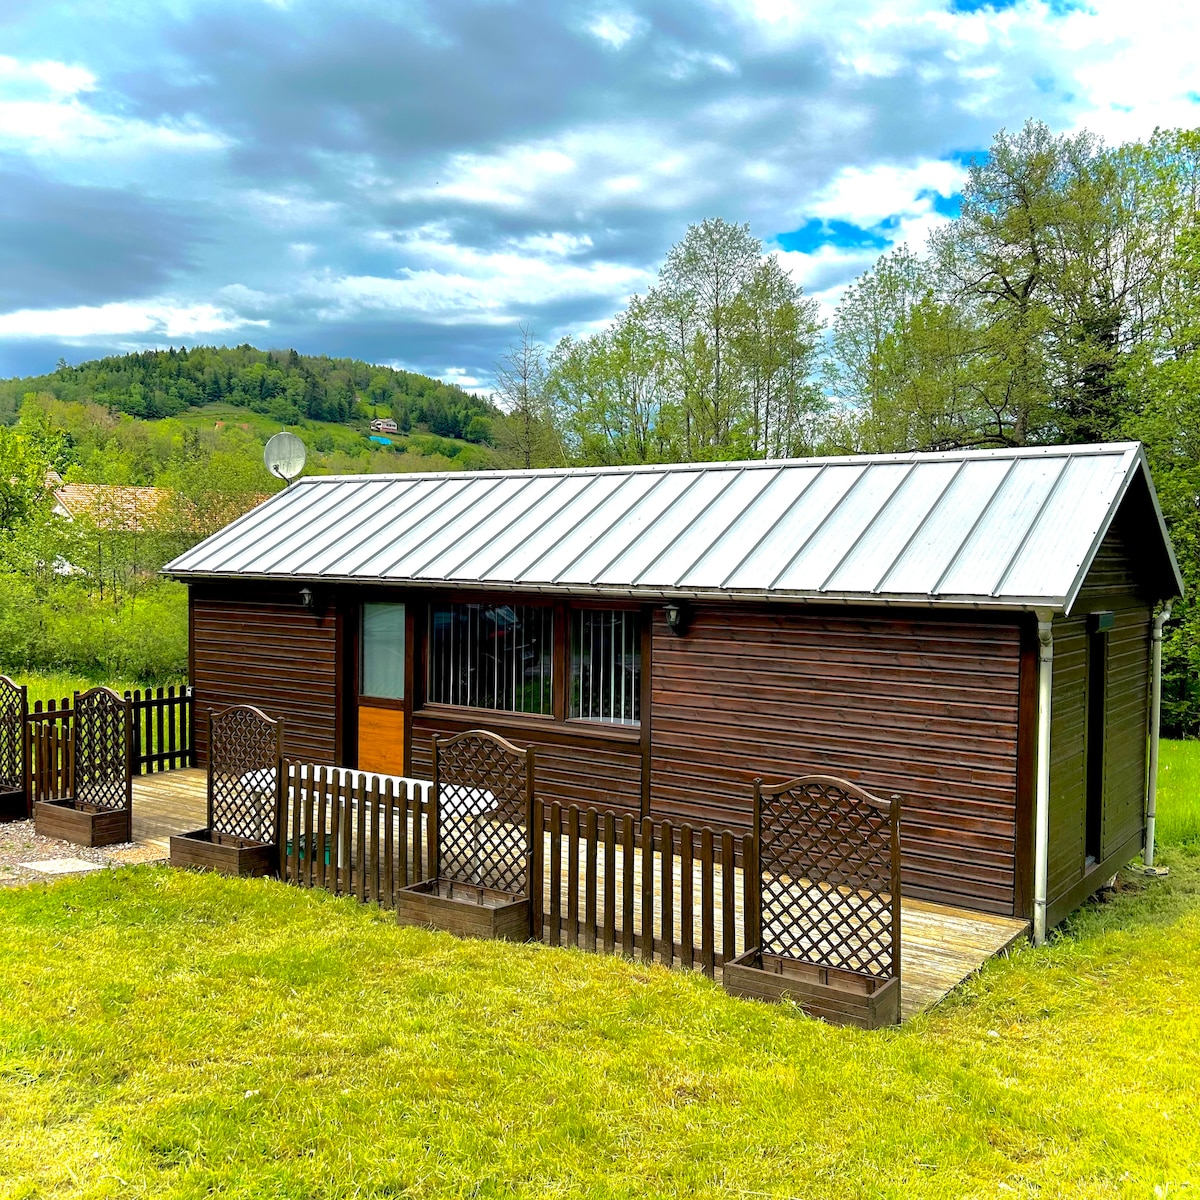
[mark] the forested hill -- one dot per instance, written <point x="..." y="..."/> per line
<point x="281" y="384"/>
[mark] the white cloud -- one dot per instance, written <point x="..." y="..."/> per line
<point x="867" y="196"/>
<point x="616" y="28"/>
<point x="43" y="113"/>
<point x="64" y="79"/>
<point x="163" y="318"/>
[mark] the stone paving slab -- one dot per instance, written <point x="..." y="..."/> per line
<point x="59" y="866"/>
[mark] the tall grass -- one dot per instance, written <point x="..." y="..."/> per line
<point x="1178" y="793"/>
<point x="58" y="685"/>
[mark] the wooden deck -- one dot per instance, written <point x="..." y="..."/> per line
<point x="940" y="945"/>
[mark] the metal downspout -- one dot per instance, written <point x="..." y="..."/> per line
<point x="1156" y="638"/>
<point x="1041" y="807"/>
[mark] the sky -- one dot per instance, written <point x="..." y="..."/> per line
<point x="410" y="182"/>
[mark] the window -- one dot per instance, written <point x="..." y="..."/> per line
<point x="606" y="666"/>
<point x="381" y="669"/>
<point x="491" y="656"/>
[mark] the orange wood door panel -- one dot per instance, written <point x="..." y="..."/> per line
<point x="381" y="740"/>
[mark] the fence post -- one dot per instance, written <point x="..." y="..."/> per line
<point x="754" y="930"/>
<point x="533" y="870"/>
<point x="894" y="826"/>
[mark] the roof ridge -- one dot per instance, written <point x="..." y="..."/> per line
<point x="741" y="464"/>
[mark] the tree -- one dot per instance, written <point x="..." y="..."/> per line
<point x="525" y="434"/>
<point x="695" y="304"/>
<point x="612" y="401"/>
<point x="775" y="337"/>
<point x="717" y="361"/>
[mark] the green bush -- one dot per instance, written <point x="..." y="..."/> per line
<point x="142" y="636"/>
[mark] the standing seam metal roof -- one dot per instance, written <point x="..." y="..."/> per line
<point x="991" y="528"/>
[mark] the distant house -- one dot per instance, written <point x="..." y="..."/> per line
<point x="113" y="507"/>
<point x="384" y="425"/>
<point x="127" y="508"/>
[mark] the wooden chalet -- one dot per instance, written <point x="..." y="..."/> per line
<point x="972" y="631"/>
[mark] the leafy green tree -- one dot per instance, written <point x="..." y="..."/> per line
<point x="525" y="433"/>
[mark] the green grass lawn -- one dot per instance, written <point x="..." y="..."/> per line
<point x="1178" y="793"/>
<point x="169" y="1034"/>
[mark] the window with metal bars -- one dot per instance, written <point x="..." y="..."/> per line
<point x="494" y="656"/>
<point x="606" y="666"/>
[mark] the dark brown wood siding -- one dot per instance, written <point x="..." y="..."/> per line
<point x="1068" y="747"/>
<point x="574" y="766"/>
<point x="269" y="651"/>
<point x="1126" y="728"/>
<point x="923" y="707"/>
<point x="1128" y="717"/>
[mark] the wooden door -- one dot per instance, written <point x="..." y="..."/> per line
<point x="384" y="674"/>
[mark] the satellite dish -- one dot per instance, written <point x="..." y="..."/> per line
<point x="284" y="456"/>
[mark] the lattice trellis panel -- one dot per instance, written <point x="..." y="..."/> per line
<point x="13" y="709"/>
<point x="484" y="792"/>
<point x="245" y="748"/>
<point x="828" y="860"/>
<point x="103" y="766"/>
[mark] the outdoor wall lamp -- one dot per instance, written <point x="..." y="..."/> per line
<point x="306" y="598"/>
<point x="677" y="617"/>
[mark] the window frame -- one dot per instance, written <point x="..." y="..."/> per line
<point x="637" y="695"/>
<point x="364" y="697"/>
<point x="557" y="725"/>
<point x="494" y="600"/>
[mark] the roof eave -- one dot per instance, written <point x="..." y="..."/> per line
<point x="1040" y="604"/>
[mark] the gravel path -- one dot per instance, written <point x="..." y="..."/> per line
<point x="19" y="844"/>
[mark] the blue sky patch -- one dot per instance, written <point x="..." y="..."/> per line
<point x="944" y="206"/>
<point x="815" y="233"/>
<point x="976" y="5"/>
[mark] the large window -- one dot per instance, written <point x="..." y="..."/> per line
<point x="381" y="672"/>
<point x="606" y="666"/>
<point x="492" y="656"/>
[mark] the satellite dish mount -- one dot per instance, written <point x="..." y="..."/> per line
<point x="284" y="456"/>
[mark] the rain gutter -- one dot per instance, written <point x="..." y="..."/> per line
<point x="1041" y="803"/>
<point x="1156" y="639"/>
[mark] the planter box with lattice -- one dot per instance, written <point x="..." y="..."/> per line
<point x="14" y="750"/>
<point x="840" y="997"/>
<point x="464" y="909"/>
<point x="208" y="851"/>
<point x="246" y="796"/>
<point x="97" y="811"/>
<point x="83" y="826"/>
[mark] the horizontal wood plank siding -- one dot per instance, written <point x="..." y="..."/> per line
<point x="1128" y="717"/>
<point x="926" y="708"/>
<point x="1068" y="747"/>
<point x="277" y="656"/>
<point x="571" y="768"/>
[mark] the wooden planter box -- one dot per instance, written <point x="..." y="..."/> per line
<point x="208" y="851"/>
<point x="61" y="819"/>
<point x="840" y="997"/>
<point x="13" y="806"/>
<point x="465" y="910"/>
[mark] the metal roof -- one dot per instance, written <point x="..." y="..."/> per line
<point x="991" y="528"/>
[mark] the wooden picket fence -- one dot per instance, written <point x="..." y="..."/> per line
<point x="653" y="890"/>
<point x="615" y="884"/>
<point x="162" y="737"/>
<point x="162" y="729"/>
<point x="50" y="750"/>
<point x="354" y="834"/>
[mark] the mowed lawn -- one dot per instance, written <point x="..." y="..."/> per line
<point x="169" y="1034"/>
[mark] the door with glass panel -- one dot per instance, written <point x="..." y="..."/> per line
<point x="382" y="700"/>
